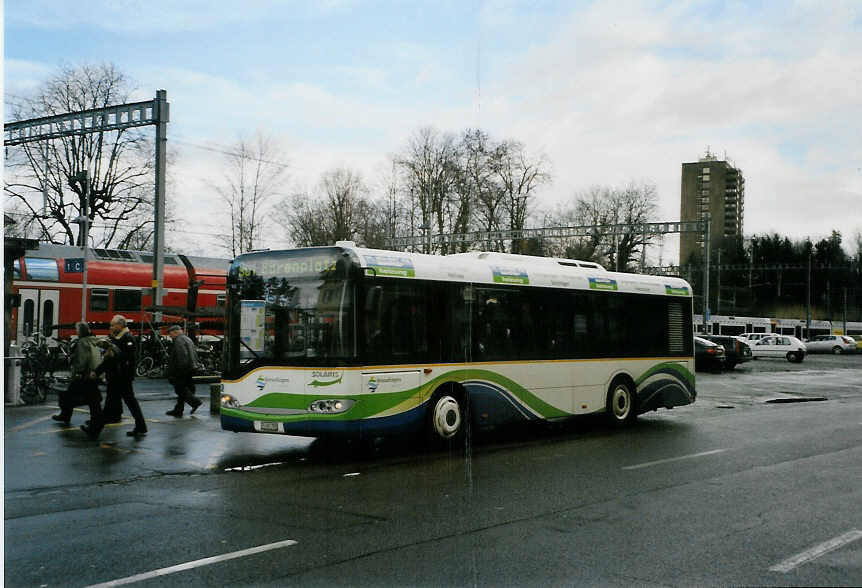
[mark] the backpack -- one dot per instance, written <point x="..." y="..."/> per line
<point x="90" y="354"/>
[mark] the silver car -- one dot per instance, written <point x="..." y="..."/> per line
<point x="831" y="344"/>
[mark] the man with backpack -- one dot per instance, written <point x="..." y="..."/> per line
<point x="84" y="386"/>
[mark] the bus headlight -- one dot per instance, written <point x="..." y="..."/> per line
<point x="229" y="401"/>
<point x="331" y="406"/>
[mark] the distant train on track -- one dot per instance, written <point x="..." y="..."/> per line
<point x="49" y="282"/>
<point x="736" y="325"/>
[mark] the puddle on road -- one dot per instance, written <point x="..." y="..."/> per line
<point x="796" y="399"/>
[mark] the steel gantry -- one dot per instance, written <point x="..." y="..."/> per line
<point x="99" y="120"/>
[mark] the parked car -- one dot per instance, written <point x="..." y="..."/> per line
<point x="831" y="344"/>
<point x="735" y="350"/>
<point x="785" y="346"/>
<point x="708" y="355"/>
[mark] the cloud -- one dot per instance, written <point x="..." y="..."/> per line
<point x="623" y="91"/>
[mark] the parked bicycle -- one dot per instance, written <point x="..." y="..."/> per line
<point x="153" y="356"/>
<point x="37" y="367"/>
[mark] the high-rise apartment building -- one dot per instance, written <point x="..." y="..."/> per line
<point x="714" y="186"/>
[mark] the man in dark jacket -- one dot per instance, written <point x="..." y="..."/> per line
<point x="119" y="369"/>
<point x="181" y="370"/>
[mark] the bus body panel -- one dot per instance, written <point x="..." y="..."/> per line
<point x="282" y="396"/>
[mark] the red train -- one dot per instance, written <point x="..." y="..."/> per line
<point x="49" y="283"/>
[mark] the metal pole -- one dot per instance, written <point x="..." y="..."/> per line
<point x="643" y="247"/>
<point x="808" y="301"/>
<point x="84" y="176"/>
<point x="705" y="270"/>
<point x="718" y="284"/>
<point x="844" y="330"/>
<point x="161" y="112"/>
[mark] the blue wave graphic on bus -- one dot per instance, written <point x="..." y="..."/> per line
<point x="494" y="406"/>
<point x="665" y="390"/>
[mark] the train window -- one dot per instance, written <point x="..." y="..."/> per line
<point x="29" y="316"/>
<point x="16" y="269"/>
<point x="39" y="268"/>
<point x="47" y="317"/>
<point x="99" y="299"/>
<point x="127" y="300"/>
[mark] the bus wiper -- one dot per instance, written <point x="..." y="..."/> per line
<point x="243" y="343"/>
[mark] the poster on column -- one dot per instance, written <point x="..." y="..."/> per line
<point x="251" y="327"/>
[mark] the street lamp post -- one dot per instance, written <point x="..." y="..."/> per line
<point x="84" y="221"/>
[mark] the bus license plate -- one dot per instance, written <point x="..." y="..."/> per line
<point x="268" y="427"/>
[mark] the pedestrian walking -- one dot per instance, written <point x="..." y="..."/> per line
<point x="182" y="365"/>
<point x="84" y="385"/>
<point x="119" y="369"/>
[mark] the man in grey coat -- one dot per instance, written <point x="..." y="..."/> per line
<point x="181" y="369"/>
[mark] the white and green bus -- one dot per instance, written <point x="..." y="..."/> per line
<point x="345" y="340"/>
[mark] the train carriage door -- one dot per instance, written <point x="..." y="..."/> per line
<point x="39" y="311"/>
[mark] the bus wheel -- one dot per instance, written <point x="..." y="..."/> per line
<point x="447" y="418"/>
<point x="620" y="407"/>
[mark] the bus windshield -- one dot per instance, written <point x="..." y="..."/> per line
<point x="291" y="307"/>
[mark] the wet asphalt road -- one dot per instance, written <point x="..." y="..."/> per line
<point x="735" y="489"/>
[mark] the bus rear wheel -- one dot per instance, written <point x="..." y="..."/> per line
<point x="620" y="406"/>
<point x="447" y="418"/>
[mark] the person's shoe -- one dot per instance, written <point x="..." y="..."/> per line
<point x="136" y="432"/>
<point x="174" y="413"/>
<point x="90" y="433"/>
<point x="196" y="406"/>
<point x="61" y="419"/>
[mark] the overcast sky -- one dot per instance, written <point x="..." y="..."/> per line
<point x="608" y="91"/>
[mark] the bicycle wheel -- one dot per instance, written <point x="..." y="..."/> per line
<point x="34" y="385"/>
<point x="145" y="364"/>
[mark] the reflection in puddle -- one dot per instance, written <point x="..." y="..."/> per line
<point x="249" y="468"/>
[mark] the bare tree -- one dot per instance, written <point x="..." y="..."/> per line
<point x="476" y="180"/>
<point x="518" y="175"/>
<point x="429" y="165"/>
<point x="253" y="174"/>
<point x="39" y="176"/>
<point x="344" y="193"/>
<point x="301" y="215"/>
<point x="633" y="205"/>
<point x="337" y="211"/>
<point x="603" y="207"/>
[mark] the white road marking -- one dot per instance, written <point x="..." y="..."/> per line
<point x="816" y="551"/>
<point x="195" y="564"/>
<point x="672" y="459"/>
<point x="28" y="424"/>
